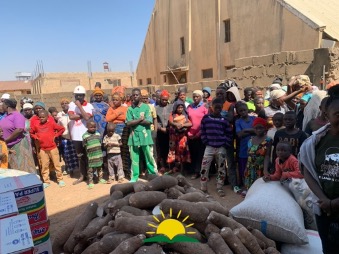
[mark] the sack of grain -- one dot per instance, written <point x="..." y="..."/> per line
<point x="314" y="245"/>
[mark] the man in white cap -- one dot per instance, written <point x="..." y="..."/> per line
<point x="79" y="113"/>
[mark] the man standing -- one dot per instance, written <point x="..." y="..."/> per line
<point x="139" y="120"/>
<point x="79" y="113"/>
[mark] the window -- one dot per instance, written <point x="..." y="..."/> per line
<point x="140" y="82"/>
<point x="165" y="78"/>
<point x="207" y="73"/>
<point x="182" y="45"/>
<point x="149" y="81"/>
<point x="227" y="25"/>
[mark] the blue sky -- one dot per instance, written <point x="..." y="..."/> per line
<point x="65" y="34"/>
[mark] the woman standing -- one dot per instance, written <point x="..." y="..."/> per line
<point x="67" y="149"/>
<point x="196" y="112"/>
<point x="117" y="114"/>
<point x="13" y="126"/>
<point x="319" y="157"/>
<point x="164" y="109"/>
<point x="99" y="111"/>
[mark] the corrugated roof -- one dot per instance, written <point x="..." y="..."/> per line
<point x="17" y="85"/>
<point x="317" y="13"/>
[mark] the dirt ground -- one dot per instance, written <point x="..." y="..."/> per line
<point x="63" y="204"/>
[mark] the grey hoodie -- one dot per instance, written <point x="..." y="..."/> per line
<point x="307" y="158"/>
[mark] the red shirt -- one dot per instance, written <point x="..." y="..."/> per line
<point x="35" y="120"/>
<point x="46" y="133"/>
<point x="287" y="169"/>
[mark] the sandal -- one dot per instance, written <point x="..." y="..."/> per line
<point x="221" y="192"/>
<point x="90" y="186"/>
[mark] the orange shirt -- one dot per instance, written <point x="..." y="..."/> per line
<point x="116" y="115"/>
<point x="4" y="150"/>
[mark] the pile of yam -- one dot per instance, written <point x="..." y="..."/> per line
<point x="122" y="223"/>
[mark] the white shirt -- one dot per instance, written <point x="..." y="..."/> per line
<point x="78" y="127"/>
<point x="63" y="120"/>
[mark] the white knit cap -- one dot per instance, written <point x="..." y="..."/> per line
<point x="27" y="105"/>
<point x="5" y="96"/>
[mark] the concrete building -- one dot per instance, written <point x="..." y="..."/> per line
<point x="16" y="87"/>
<point x="191" y="41"/>
<point x="47" y="83"/>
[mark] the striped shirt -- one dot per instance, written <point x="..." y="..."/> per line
<point x="92" y="144"/>
<point x="216" y="131"/>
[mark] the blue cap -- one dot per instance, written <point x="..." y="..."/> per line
<point x="207" y="89"/>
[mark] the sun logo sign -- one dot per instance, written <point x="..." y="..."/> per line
<point x="170" y="230"/>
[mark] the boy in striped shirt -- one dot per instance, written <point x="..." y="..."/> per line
<point x="216" y="134"/>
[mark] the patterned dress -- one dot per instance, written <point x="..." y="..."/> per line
<point x="92" y="144"/>
<point x="255" y="163"/>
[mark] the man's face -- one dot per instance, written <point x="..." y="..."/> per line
<point x="65" y="105"/>
<point x="79" y="97"/>
<point x="136" y="97"/>
<point x="98" y="97"/>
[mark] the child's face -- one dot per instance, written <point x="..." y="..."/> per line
<point x="220" y="94"/>
<point x="217" y="108"/>
<point x="54" y="114"/>
<point x="182" y="96"/>
<point x="206" y="95"/>
<point x="259" y="103"/>
<point x="278" y="121"/>
<point x="259" y="130"/>
<point x="116" y="101"/>
<point x="37" y="109"/>
<point x="242" y="111"/>
<point x="43" y="118"/>
<point x="230" y="97"/>
<point x="248" y="95"/>
<point x="110" y="131"/>
<point x="283" y="151"/>
<point x="180" y="109"/>
<point x="91" y="127"/>
<point x="145" y="99"/>
<point x="289" y="120"/>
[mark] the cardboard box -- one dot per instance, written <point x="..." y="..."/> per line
<point x="28" y="192"/>
<point x="41" y="238"/>
<point x="15" y="235"/>
<point x="8" y="206"/>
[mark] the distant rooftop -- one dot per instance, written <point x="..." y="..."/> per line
<point x="17" y="85"/>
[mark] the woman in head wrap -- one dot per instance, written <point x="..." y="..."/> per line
<point x="164" y="110"/>
<point x="13" y="126"/>
<point x="117" y="114"/>
<point x="100" y="110"/>
<point x="66" y="147"/>
<point x="276" y="105"/>
<point x="196" y="112"/>
<point x="259" y="152"/>
<point x="178" y="147"/>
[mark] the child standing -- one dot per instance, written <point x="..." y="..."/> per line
<point x="259" y="151"/>
<point x="244" y="130"/>
<point x="278" y="121"/>
<point x="45" y="133"/>
<point x="3" y="151"/>
<point x="178" y="146"/>
<point x="92" y="144"/>
<point x="216" y="134"/>
<point x="112" y="142"/>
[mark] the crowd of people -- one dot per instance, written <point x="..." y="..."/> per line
<point x="291" y="131"/>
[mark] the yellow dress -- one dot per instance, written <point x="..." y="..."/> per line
<point x="4" y="150"/>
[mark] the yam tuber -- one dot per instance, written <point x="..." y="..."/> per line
<point x="135" y="211"/>
<point x="93" y="227"/>
<point x="93" y="248"/>
<point x="161" y="183"/>
<point x="104" y="231"/>
<point x="103" y="209"/>
<point x="130" y="245"/>
<point x="147" y="199"/>
<point x="233" y="241"/>
<point x="193" y="197"/>
<point x="152" y="249"/>
<point x="87" y="215"/>
<point x="191" y="248"/>
<point x="259" y="235"/>
<point x="180" y="188"/>
<point x="140" y="186"/>
<point x="248" y="240"/>
<point x="132" y="225"/>
<point x="125" y="188"/>
<point x="215" y="206"/>
<point x="221" y="221"/>
<point x="114" y="206"/>
<point x="211" y="228"/>
<point x="218" y="245"/>
<point x="111" y="241"/>
<point x="80" y="247"/>
<point x="173" y="193"/>
<point x="182" y="181"/>
<point x="271" y="250"/>
<point x="195" y="212"/>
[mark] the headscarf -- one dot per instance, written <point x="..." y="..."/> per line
<point x="27" y="105"/>
<point x="303" y="80"/>
<point x="10" y="103"/>
<point x="164" y="93"/>
<point x="41" y="104"/>
<point x="261" y="121"/>
<point x="63" y="100"/>
<point x="5" y="96"/>
<point x="144" y="92"/>
<point x="275" y="85"/>
<point x="207" y="89"/>
<point x="98" y="90"/>
<point x="276" y="94"/>
<point x="235" y="92"/>
<point x="198" y="92"/>
<point x="176" y="105"/>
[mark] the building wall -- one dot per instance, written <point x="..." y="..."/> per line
<point x="257" y="28"/>
<point x="66" y="82"/>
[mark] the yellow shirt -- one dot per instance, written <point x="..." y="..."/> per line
<point x="153" y="115"/>
<point x="4" y="150"/>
